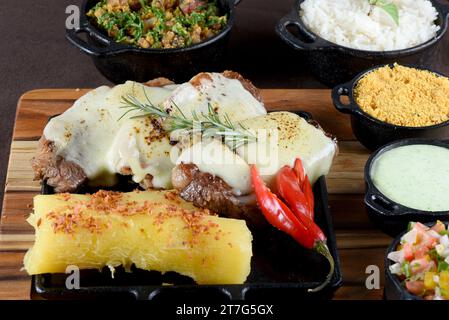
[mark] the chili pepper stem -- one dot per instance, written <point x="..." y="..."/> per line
<point x="322" y="249"/>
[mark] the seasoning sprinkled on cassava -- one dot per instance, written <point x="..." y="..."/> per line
<point x="151" y="230"/>
<point x="404" y="96"/>
<point x="89" y="213"/>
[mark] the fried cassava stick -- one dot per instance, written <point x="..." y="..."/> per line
<point x="154" y="230"/>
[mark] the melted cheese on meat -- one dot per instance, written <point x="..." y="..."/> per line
<point x="285" y="137"/>
<point x="88" y="133"/>
<point x="213" y="157"/>
<point x="91" y="135"/>
<point x="73" y="132"/>
<point x="294" y="138"/>
<point x="224" y="95"/>
<point x="144" y="149"/>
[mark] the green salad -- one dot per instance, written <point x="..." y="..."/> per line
<point x="158" y="23"/>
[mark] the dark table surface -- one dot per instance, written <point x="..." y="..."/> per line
<point x="34" y="54"/>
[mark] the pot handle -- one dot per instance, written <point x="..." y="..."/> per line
<point x="381" y="204"/>
<point x="93" y="50"/>
<point x="236" y="2"/>
<point x="313" y="43"/>
<point x="337" y="93"/>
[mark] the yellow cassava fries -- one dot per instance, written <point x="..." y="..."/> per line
<point x="154" y="230"/>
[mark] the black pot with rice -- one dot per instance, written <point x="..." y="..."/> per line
<point x="337" y="53"/>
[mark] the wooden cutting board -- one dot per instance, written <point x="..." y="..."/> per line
<point x="359" y="243"/>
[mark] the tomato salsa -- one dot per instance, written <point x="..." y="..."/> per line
<point x="422" y="261"/>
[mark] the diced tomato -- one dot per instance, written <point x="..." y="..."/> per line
<point x="415" y="287"/>
<point x="420" y="227"/>
<point x="432" y="266"/>
<point x="419" y="265"/>
<point x="408" y="251"/>
<point x="439" y="227"/>
<point x="428" y="241"/>
<point x="420" y="251"/>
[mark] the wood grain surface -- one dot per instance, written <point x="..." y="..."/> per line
<point x="359" y="243"/>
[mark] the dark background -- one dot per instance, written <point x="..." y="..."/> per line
<point x="34" y="54"/>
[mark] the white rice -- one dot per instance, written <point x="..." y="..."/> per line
<point x="347" y="23"/>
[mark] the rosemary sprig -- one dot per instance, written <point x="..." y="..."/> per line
<point x="388" y="6"/>
<point x="210" y="125"/>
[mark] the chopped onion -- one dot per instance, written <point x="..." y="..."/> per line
<point x="445" y="253"/>
<point x="437" y="294"/>
<point x="396" y="256"/>
<point x="444" y="240"/>
<point x="439" y="249"/>
<point x="396" y="268"/>
<point x="436" y="279"/>
<point x="434" y="234"/>
<point x="410" y="237"/>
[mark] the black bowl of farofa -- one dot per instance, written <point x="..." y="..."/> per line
<point x="374" y="133"/>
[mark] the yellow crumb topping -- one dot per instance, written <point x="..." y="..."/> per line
<point x="404" y="96"/>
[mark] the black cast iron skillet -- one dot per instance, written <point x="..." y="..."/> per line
<point x="392" y="217"/>
<point x="394" y="289"/>
<point x="120" y="62"/>
<point x="373" y="133"/>
<point x="280" y="269"/>
<point x="333" y="64"/>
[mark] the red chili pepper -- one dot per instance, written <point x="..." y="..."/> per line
<point x="278" y="214"/>
<point x="299" y="227"/>
<point x="308" y="192"/>
<point x="288" y="188"/>
<point x="299" y="170"/>
<point x="306" y="187"/>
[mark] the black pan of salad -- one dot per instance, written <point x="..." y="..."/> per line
<point x="142" y="40"/>
<point x="417" y="263"/>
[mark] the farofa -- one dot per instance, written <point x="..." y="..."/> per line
<point x="404" y="96"/>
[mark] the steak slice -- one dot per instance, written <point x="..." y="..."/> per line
<point x="208" y="191"/>
<point x="64" y="176"/>
<point x="159" y="82"/>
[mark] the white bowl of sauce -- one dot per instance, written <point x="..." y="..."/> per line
<point x="408" y="180"/>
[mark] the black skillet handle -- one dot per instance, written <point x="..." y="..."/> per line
<point x="72" y="36"/>
<point x="381" y="205"/>
<point x="293" y="19"/>
<point x="337" y="93"/>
